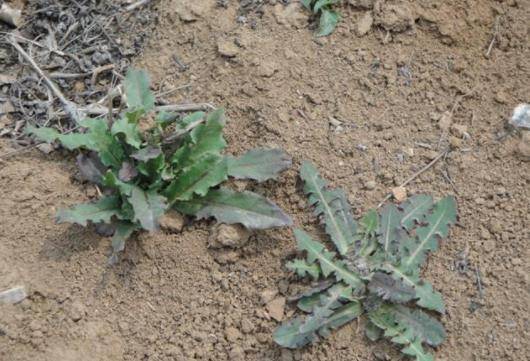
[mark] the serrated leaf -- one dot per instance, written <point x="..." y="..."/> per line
<point x="123" y="232"/>
<point x="437" y="225"/>
<point x="90" y="167"/>
<point x="415" y="209"/>
<point x="289" y="335"/>
<point x="183" y="126"/>
<point x="137" y="91"/>
<point x="317" y="252"/>
<point x="69" y="141"/>
<point x="302" y="268"/>
<point x="227" y="206"/>
<point x="328" y="22"/>
<point x="127" y="172"/>
<point x="307" y="303"/>
<point x="399" y="333"/>
<point x="148" y="207"/>
<point x="101" y="141"/>
<point x="390" y="289"/>
<point x="111" y="180"/>
<point x="130" y="131"/>
<point x="332" y="205"/>
<point x="206" y="173"/>
<point x="101" y="211"/>
<point x="389" y="227"/>
<point x="428" y="329"/>
<point x="259" y="164"/>
<point x="426" y="296"/>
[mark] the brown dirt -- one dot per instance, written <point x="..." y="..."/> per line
<point x="172" y="298"/>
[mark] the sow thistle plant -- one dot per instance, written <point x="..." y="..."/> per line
<point x="144" y="174"/>
<point x="374" y="271"/>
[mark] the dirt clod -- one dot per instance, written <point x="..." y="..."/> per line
<point x="399" y="193"/>
<point x="275" y="308"/>
<point x="227" y="48"/>
<point x="172" y="222"/>
<point x="228" y="235"/>
<point x="365" y="24"/>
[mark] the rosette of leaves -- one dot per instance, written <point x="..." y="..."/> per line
<point x="328" y="18"/>
<point x="374" y="269"/>
<point x="143" y="174"/>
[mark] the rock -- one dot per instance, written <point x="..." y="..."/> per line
<point x="495" y="227"/>
<point x="445" y="121"/>
<point x="247" y="326"/>
<point x="523" y="148"/>
<point x="46" y="148"/>
<point x="267" y="295"/>
<point x="370" y="185"/>
<point x="275" y="308"/>
<point x="227" y="48"/>
<point x="13" y="295"/>
<point x="266" y="69"/>
<point x="394" y="17"/>
<point x="172" y="221"/>
<point x="228" y="235"/>
<point x="232" y="334"/>
<point x="501" y="97"/>
<point x="455" y="142"/>
<point x="76" y="311"/>
<point x="364" y="24"/>
<point x="10" y="15"/>
<point x="291" y="15"/>
<point x="399" y="193"/>
<point x="237" y="353"/>
<point x="484" y="234"/>
<point x="521" y="116"/>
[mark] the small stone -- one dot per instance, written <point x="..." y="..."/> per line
<point x="275" y="308"/>
<point x="46" y="148"/>
<point x="236" y="353"/>
<point x="409" y="151"/>
<point x="495" y="227"/>
<point x="267" y="69"/>
<point x="399" y="193"/>
<point x="365" y="24"/>
<point x="501" y="97"/>
<point x="370" y="185"/>
<point x="489" y="245"/>
<point x="290" y="15"/>
<point x="76" y="310"/>
<point x="226" y="256"/>
<point x="445" y="121"/>
<point x="228" y="235"/>
<point x="172" y="222"/>
<point x="227" y="48"/>
<point x="484" y="234"/>
<point x="455" y="142"/>
<point x="247" y="326"/>
<point x="232" y="334"/>
<point x="516" y="261"/>
<point x="268" y="295"/>
<point x="13" y="295"/>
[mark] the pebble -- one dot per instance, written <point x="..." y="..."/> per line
<point x="495" y="227"/>
<point x="237" y="353"/>
<point x="228" y="235"/>
<point x="247" y="326"/>
<point x="365" y="24"/>
<point x="501" y="97"/>
<point x="459" y="130"/>
<point x="76" y="311"/>
<point x="370" y="185"/>
<point x="445" y="121"/>
<point x="399" y="193"/>
<point x="227" y="48"/>
<point x="275" y="308"/>
<point x="485" y="234"/>
<point x="268" y="295"/>
<point x="232" y="334"/>
<point x="13" y="295"/>
<point x="172" y="222"/>
<point x="489" y="245"/>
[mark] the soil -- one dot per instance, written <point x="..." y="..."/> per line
<point x="369" y="110"/>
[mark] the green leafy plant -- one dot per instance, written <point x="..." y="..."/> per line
<point x="375" y="270"/>
<point x="173" y="163"/>
<point x="328" y="18"/>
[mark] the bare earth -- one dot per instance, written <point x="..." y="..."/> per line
<point x="173" y="298"/>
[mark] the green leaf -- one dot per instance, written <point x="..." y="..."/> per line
<point x="302" y="268"/>
<point x="111" y="180"/>
<point x="101" y="140"/>
<point x="204" y="139"/>
<point x="425" y="294"/>
<point x="391" y="289"/>
<point x="187" y="122"/>
<point x="400" y="333"/>
<point x="227" y="206"/>
<point x="371" y="331"/>
<point x="147" y="153"/>
<point x="90" y="167"/>
<point x="430" y="330"/>
<point x="437" y="226"/>
<point x="329" y="313"/>
<point x="69" y="141"/>
<point x="332" y="205"/>
<point x="148" y="207"/>
<point x="137" y="91"/>
<point x="415" y="209"/>
<point x="328" y="22"/>
<point x="389" y="227"/>
<point x="123" y="232"/>
<point x="306" y="4"/>
<point x="259" y="164"/>
<point x="317" y="252"/>
<point x="321" y="4"/>
<point x="129" y="130"/>
<point x="206" y="173"/>
<point x="101" y="211"/>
